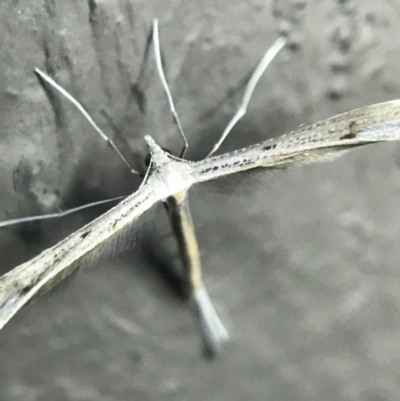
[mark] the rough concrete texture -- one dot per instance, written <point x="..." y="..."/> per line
<point x="303" y="265"/>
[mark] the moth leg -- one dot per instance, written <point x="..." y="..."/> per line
<point x="255" y="77"/>
<point x="44" y="77"/>
<point x="55" y="215"/>
<point x="157" y="53"/>
<point x="213" y="331"/>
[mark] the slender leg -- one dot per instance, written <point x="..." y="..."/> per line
<point x="213" y="331"/>
<point x="79" y="106"/>
<point x="157" y="53"/>
<point x="59" y="214"/>
<point x="241" y="111"/>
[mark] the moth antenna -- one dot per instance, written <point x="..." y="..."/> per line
<point x="79" y="106"/>
<point x="157" y="53"/>
<point x="258" y="72"/>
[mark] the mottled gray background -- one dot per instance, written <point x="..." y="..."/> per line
<point x="303" y="265"/>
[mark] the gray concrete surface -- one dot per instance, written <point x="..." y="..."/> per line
<point x="303" y="265"/>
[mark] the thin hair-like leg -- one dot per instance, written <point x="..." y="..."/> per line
<point x="79" y="106"/>
<point x="62" y="213"/>
<point x="157" y="53"/>
<point x="241" y="111"/>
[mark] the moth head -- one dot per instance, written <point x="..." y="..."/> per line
<point x="147" y="159"/>
<point x="157" y="155"/>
